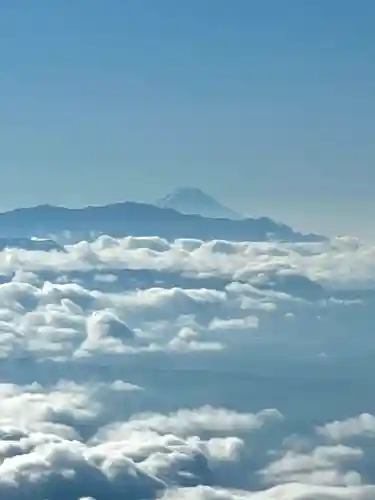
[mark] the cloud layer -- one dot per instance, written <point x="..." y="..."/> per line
<point x="137" y="368"/>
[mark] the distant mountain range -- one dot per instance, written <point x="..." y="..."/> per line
<point x="194" y="201"/>
<point x="139" y="219"/>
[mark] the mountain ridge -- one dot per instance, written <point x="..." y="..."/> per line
<point x="131" y="218"/>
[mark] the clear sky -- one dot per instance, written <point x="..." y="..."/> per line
<point x="268" y="105"/>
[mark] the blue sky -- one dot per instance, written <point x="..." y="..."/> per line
<point x="267" y="105"/>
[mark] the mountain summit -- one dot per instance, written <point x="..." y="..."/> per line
<point x="189" y="200"/>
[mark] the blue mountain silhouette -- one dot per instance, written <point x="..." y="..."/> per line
<point x="141" y="219"/>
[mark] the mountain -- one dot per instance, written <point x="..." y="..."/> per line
<point x="194" y="201"/>
<point x="140" y="219"/>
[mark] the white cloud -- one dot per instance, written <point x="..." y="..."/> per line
<point x="321" y="466"/>
<point x="234" y="323"/>
<point x="284" y="492"/>
<point x="205" y="419"/>
<point x="147" y="369"/>
<point x="340" y="262"/>
<point x="361" y="426"/>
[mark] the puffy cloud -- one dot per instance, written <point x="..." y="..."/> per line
<point x="67" y="469"/>
<point x="339" y="262"/>
<point x="361" y="426"/>
<point x="245" y="323"/>
<point x="61" y="408"/>
<point x="104" y="327"/>
<point x="321" y="466"/>
<point x="284" y="492"/>
<point x="150" y="454"/>
<point x="205" y="419"/>
<point x="141" y="368"/>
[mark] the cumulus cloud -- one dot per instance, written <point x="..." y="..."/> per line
<point x="341" y="261"/>
<point x="361" y="426"/>
<point x="287" y="492"/>
<point x="141" y="368"/>
<point x="205" y="419"/>
<point x="321" y="466"/>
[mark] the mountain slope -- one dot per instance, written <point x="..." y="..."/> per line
<point x="140" y="219"/>
<point x="194" y="201"/>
